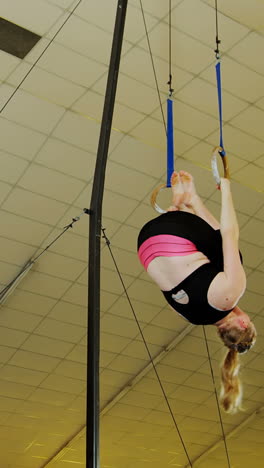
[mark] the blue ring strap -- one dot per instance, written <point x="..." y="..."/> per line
<point x="170" y="142"/>
<point x="219" y="92"/>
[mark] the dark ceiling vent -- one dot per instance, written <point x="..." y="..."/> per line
<point x="16" y="40"/>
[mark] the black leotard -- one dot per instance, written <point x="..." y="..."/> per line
<point x="196" y="285"/>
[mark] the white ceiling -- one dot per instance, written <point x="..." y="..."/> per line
<point x="49" y="136"/>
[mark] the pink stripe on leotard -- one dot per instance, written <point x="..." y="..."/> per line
<point x="164" y="245"/>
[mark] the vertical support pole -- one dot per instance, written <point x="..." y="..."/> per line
<point x="93" y="345"/>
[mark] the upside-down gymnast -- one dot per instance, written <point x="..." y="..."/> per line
<point x="196" y="263"/>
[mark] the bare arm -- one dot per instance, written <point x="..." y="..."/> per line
<point x="229" y="285"/>
<point x="228" y="221"/>
<point x="230" y="234"/>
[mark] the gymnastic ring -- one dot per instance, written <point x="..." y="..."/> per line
<point x="214" y="166"/>
<point x="154" y="197"/>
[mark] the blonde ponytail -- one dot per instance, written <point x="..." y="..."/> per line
<point x="238" y="341"/>
<point x="231" y="388"/>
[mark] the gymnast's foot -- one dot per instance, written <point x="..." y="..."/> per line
<point x="188" y="187"/>
<point x="177" y="191"/>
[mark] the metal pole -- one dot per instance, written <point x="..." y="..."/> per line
<point x="93" y="345"/>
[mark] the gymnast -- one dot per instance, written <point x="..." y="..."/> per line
<point x="196" y="263"/>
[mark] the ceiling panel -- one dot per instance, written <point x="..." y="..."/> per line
<point x="34" y="113"/>
<point x="190" y="55"/>
<point x="83" y="71"/>
<point x="155" y="8"/>
<point x="247" y="14"/>
<point x="33" y="206"/>
<point x="249" y="122"/>
<point x="43" y="14"/>
<point x="193" y="94"/>
<point x="238" y="79"/>
<point x="240" y="51"/>
<point x="12" y="167"/>
<point x="9" y="63"/>
<point x="47" y="86"/>
<point x="134" y="64"/>
<point x="26" y="143"/>
<point x="184" y="18"/>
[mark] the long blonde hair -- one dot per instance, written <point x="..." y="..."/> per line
<point x="238" y="342"/>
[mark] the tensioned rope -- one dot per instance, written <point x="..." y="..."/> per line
<point x="170" y="53"/>
<point x="218" y="81"/>
<point x="170" y="168"/>
<point x="153" y="65"/>
<point x="7" y="287"/>
<point x="170" y="133"/>
<point x="219" y="149"/>
<point x="222" y="153"/>
<point x="216" y="398"/>
<point x="86" y="211"/>
<point x="169" y="127"/>
<point x="30" y="263"/>
<point x="107" y="241"/>
<point x="41" y="55"/>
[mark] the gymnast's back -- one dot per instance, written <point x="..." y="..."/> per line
<point x="200" y="236"/>
<point x="183" y="254"/>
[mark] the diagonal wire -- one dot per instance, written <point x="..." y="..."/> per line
<point x="107" y="241"/>
<point x="34" y="259"/>
<point x="7" y="287"/>
<point x="38" y="59"/>
<point x="170" y="83"/>
<point x="153" y="65"/>
<point x="206" y="342"/>
<point x="217" y="400"/>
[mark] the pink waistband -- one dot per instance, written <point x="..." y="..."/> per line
<point x="164" y="245"/>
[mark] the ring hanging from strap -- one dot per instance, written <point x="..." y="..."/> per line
<point x="170" y="154"/>
<point x="154" y="197"/>
<point x="217" y="151"/>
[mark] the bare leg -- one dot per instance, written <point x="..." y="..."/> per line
<point x="193" y="200"/>
<point x="177" y="190"/>
<point x="185" y="198"/>
<point x="181" y="207"/>
<point x="179" y="196"/>
<point x="188" y="187"/>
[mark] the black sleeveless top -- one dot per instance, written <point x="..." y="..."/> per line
<point x="196" y="285"/>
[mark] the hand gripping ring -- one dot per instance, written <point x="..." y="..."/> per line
<point x="154" y="196"/>
<point x="215" y="171"/>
